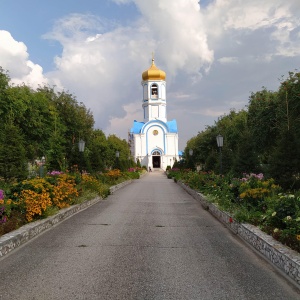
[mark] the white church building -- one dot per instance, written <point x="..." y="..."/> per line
<point x="154" y="141"/>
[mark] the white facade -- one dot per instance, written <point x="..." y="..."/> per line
<point x="154" y="141"/>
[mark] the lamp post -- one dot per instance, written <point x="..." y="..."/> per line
<point x="220" y="145"/>
<point x="81" y="145"/>
<point x="190" y="163"/>
<point x="129" y="161"/>
<point x="42" y="163"/>
<point x="117" y="159"/>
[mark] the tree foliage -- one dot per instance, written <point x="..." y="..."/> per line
<point x="12" y="153"/>
<point x="263" y="137"/>
<point x="44" y="122"/>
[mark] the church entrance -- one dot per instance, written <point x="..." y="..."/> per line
<point x="156" y="159"/>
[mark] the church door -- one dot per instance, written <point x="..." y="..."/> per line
<point x="156" y="159"/>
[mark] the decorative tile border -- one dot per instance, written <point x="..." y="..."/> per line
<point x="14" y="239"/>
<point x="279" y="255"/>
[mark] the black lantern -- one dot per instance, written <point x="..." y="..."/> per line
<point x="81" y="145"/>
<point x="220" y="145"/>
<point x="42" y="163"/>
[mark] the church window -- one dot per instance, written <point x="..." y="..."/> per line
<point x="156" y="153"/>
<point x="154" y="90"/>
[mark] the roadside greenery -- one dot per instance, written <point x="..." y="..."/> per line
<point x="41" y="168"/>
<point x="41" y="128"/>
<point x="252" y="199"/>
<point x="37" y="198"/>
<point x="262" y="138"/>
<point x="45" y="123"/>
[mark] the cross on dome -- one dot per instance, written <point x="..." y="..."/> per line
<point x="153" y="73"/>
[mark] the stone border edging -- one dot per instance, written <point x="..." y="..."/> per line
<point x="286" y="259"/>
<point x="114" y="188"/>
<point x="16" y="238"/>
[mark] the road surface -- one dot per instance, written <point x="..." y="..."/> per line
<point x="149" y="240"/>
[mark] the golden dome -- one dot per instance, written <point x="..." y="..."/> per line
<point x="153" y="73"/>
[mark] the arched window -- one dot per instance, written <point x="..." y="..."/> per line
<point x="154" y="90"/>
<point x="156" y="153"/>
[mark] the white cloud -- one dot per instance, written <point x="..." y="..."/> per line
<point x="14" y="58"/>
<point x="122" y="1"/>
<point x="214" y="56"/>
<point x="107" y="60"/>
<point x="101" y="69"/>
<point x="237" y="17"/>
<point x="228" y="60"/>
<point x="178" y="34"/>
<point x="34" y="77"/>
<point x="122" y="125"/>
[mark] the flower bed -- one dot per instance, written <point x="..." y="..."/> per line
<point x="251" y="199"/>
<point x="37" y="198"/>
<point x="286" y="259"/>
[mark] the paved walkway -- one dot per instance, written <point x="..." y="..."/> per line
<point x="149" y="240"/>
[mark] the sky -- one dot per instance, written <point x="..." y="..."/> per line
<point x="215" y="54"/>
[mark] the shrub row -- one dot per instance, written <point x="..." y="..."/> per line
<point x="252" y="199"/>
<point x="37" y="198"/>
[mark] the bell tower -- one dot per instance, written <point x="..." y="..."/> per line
<point x="154" y="94"/>
<point x="154" y="141"/>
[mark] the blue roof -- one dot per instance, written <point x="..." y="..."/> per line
<point x="137" y="126"/>
<point x="172" y="125"/>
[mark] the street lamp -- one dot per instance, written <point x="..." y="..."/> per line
<point x="220" y="145"/>
<point x="117" y="159"/>
<point x="129" y="161"/>
<point x="81" y="145"/>
<point x="190" y="163"/>
<point x="42" y="163"/>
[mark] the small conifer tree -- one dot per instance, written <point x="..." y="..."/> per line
<point x="12" y="153"/>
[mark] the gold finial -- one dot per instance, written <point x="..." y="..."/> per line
<point x="152" y="58"/>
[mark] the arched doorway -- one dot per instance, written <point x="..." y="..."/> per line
<point x="156" y="159"/>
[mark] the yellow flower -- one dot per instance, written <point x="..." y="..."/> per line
<point x="276" y="230"/>
<point x="1" y="201"/>
<point x="298" y="237"/>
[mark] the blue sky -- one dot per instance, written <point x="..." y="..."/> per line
<point x="214" y="52"/>
<point x="29" y="21"/>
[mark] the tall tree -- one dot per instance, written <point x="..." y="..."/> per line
<point x="116" y="144"/>
<point x="285" y="162"/>
<point x="246" y="159"/>
<point x="264" y="122"/>
<point x="13" y="163"/>
<point x="99" y="149"/>
<point x="4" y="80"/>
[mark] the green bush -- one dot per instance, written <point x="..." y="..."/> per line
<point x="252" y="199"/>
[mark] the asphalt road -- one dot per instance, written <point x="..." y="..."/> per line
<point x="150" y="240"/>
